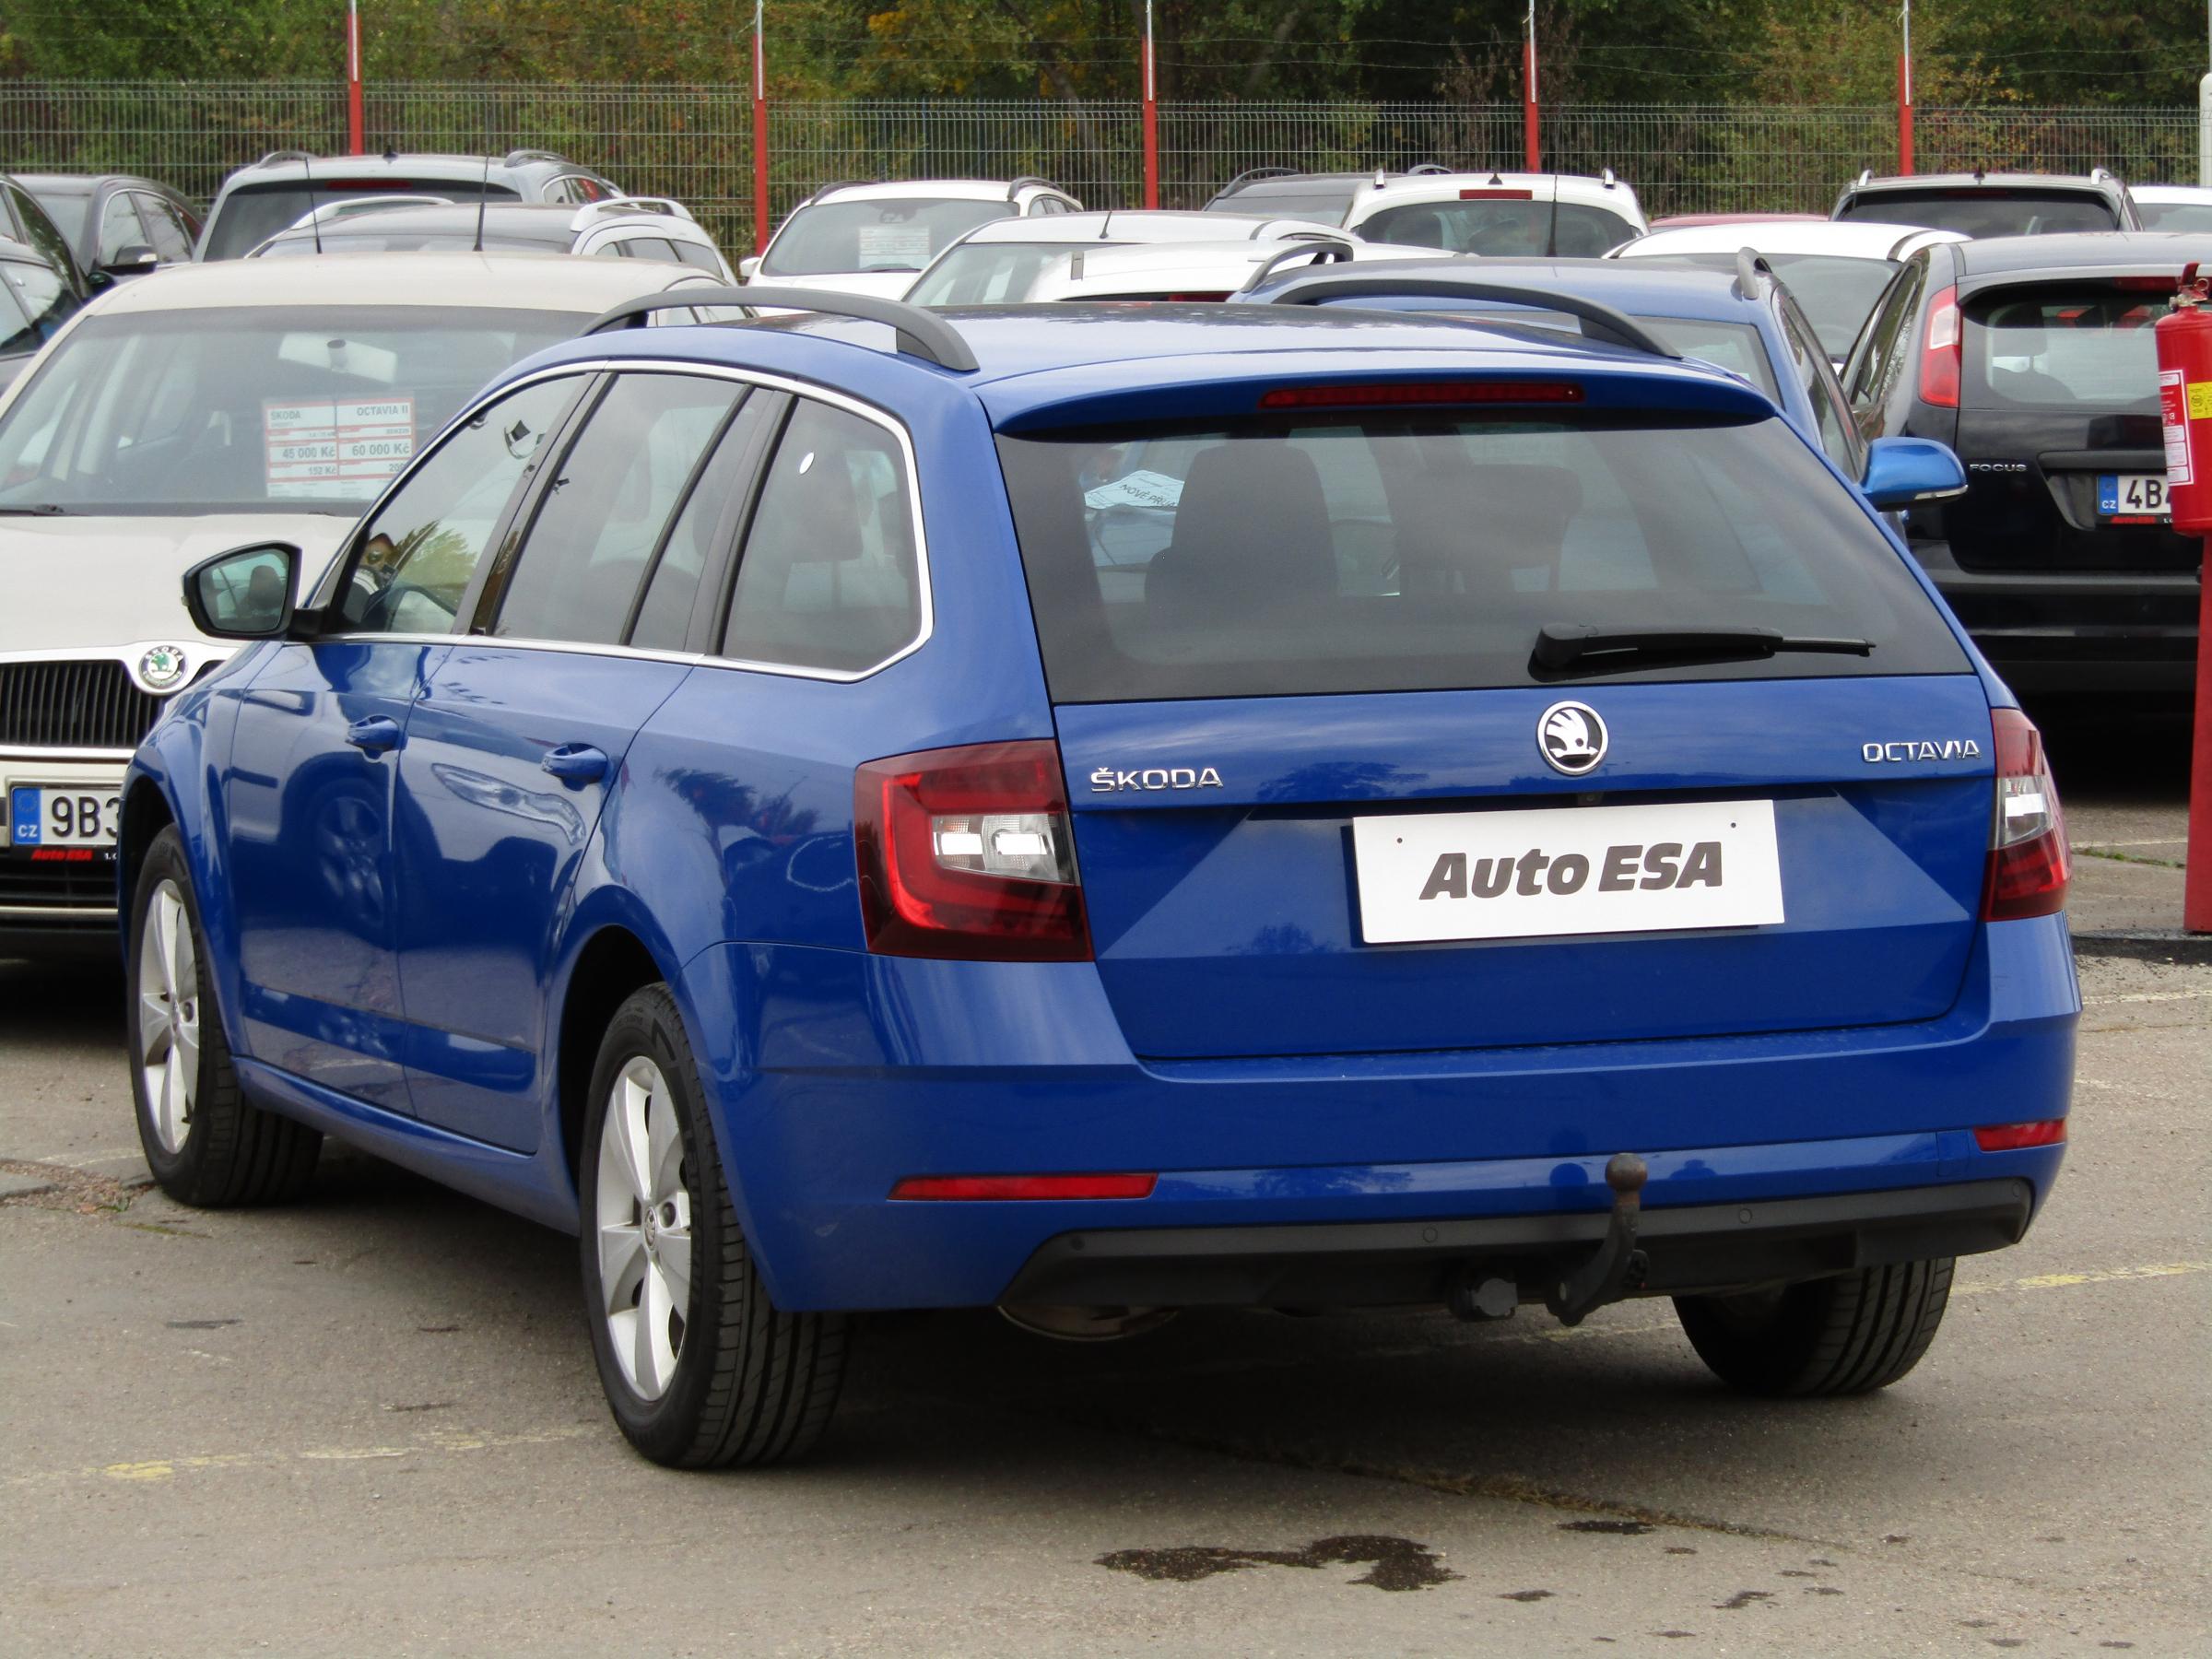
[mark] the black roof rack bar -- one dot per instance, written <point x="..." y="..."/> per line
<point x="920" y="333"/>
<point x="1250" y="173"/>
<point x="291" y="155"/>
<point x="822" y="190"/>
<point x="1320" y="250"/>
<point x="1016" y="188"/>
<point x="1750" y="265"/>
<point x="1591" y="313"/>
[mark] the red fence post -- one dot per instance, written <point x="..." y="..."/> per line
<point x="1904" y="97"/>
<point x="356" y="144"/>
<point x="1530" y="144"/>
<point x="759" y="135"/>
<point x="1151" y="119"/>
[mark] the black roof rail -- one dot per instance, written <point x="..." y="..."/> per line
<point x="1750" y="265"/>
<point x="515" y="158"/>
<point x="1017" y="187"/>
<point x="822" y="190"/>
<point x="1248" y="174"/>
<point x="920" y="333"/>
<point x="1591" y="313"/>
<point x="291" y="155"/>
<point x="1321" y="250"/>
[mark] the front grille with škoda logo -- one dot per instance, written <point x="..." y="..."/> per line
<point x="86" y="703"/>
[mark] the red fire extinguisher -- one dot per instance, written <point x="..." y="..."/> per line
<point x="2184" y="345"/>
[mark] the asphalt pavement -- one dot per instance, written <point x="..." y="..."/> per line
<point x="368" y="1423"/>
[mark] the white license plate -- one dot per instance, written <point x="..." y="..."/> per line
<point x="2133" y="495"/>
<point x="54" y="816"/>
<point x="1586" y="870"/>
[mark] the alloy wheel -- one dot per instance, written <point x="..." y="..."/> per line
<point x="643" y="1217"/>
<point x="169" y="1017"/>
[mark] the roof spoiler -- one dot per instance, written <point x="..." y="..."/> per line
<point x="1248" y="174"/>
<point x="1593" y="315"/>
<point x="517" y="157"/>
<point x="275" y="156"/>
<point x="921" y="334"/>
<point x="822" y="190"/>
<point x="1320" y="250"/>
<point x="1015" y="189"/>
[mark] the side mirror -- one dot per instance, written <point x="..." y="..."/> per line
<point x="132" y="261"/>
<point x="749" y="268"/>
<point x="246" y="593"/>
<point x="1904" y="471"/>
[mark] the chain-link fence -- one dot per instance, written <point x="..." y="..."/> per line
<point x="694" y="142"/>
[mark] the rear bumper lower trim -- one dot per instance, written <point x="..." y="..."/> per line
<point x="1691" y="1248"/>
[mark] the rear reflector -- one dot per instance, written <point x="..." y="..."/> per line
<point x="1422" y="392"/>
<point x="1025" y="1186"/>
<point x="967" y="854"/>
<point x="2029" y="862"/>
<point x="2014" y="1137"/>
<point x="1497" y="196"/>
<point x="1940" y="351"/>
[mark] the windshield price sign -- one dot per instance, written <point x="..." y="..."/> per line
<point x="348" y="448"/>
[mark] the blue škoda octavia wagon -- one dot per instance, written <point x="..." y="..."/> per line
<point x="1104" y="810"/>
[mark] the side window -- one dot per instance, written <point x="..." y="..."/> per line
<point x="119" y="227"/>
<point x="1839" y="437"/>
<point x="171" y="236"/>
<point x="38" y="231"/>
<point x="665" y="610"/>
<point x="613" y="250"/>
<point x="45" y="302"/>
<point x="830" y="577"/>
<point x="651" y="247"/>
<point x="1887" y="342"/>
<point x="698" y="255"/>
<point x="426" y="541"/>
<point x="600" y="521"/>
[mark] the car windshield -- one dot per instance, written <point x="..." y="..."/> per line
<point x="2174" y="215"/>
<point x="1321" y="204"/>
<point x="1507" y="226"/>
<point x="990" y="273"/>
<point x="361" y="238"/>
<point x="1983" y="211"/>
<point x="271" y="409"/>
<point x="251" y="214"/>
<point x="903" y="233"/>
<point x="2072" y="346"/>
<point x="1424" y="552"/>
<point x="1837" y="293"/>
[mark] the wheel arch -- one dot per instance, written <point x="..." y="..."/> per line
<point x="146" y="811"/>
<point x="610" y="964"/>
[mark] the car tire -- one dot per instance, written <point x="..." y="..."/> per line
<point x="206" y="1145"/>
<point x="1847" y="1334"/>
<point x="701" y="1370"/>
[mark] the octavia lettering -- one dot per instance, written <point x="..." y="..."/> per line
<point x="1624" y="868"/>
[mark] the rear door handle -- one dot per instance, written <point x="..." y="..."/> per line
<point x="576" y="763"/>
<point x="374" y="735"/>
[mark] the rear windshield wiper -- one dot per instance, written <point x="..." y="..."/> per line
<point x="43" y="509"/>
<point x="1593" y="650"/>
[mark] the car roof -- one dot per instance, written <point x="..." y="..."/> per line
<point x="1445" y="187"/>
<point x="1844" y="238"/>
<point x="1030" y="357"/>
<point x="960" y="190"/>
<point x="67" y="183"/>
<point x="1211" y="266"/>
<point x="1132" y="226"/>
<point x="558" y="217"/>
<point x="1648" y="288"/>
<point x="286" y="167"/>
<point x="511" y="281"/>
<point x="1985" y="180"/>
<point x="2120" y="249"/>
<point x="2170" y="193"/>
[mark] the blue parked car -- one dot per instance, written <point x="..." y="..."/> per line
<point x="1522" y="832"/>
<point x="1744" y="320"/>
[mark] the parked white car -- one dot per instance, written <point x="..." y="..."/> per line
<point x="2173" y="207"/>
<point x="1836" y="268"/>
<point x="621" y="227"/>
<point x="876" y="239"/>
<point x="1217" y="270"/>
<point x="995" y="264"/>
<point x="177" y="417"/>
<point x="1494" y="214"/>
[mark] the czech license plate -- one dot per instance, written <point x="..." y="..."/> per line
<point x="52" y="816"/>
<point x="1588" y="870"/>
<point x="2133" y="495"/>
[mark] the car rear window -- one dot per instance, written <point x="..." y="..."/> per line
<point x="1400" y="553"/>
<point x="1321" y="203"/>
<point x="1735" y="347"/>
<point x="2174" y="215"/>
<point x="1495" y="226"/>
<point x="1838" y="294"/>
<point x="991" y="273"/>
<point x="250" y="215"/>
<point x="1982" y="211"/>
<point x="903" y="233"/>
<point x="2062" y="346"/>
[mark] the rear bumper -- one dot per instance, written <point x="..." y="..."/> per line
<point x="990" y="1068"/>
<point x="2063" y="631"/>
<point x="1691" y="1248"/>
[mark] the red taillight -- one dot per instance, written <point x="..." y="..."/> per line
<point x="2014" y="1137"/>
<point x="1209" y="294"/>
<point x="967" y="852"/>
<point x="1025" y="1186"/>
<point x="1940" y="351"/>
<point x="1497" y="196"/>
<point x="2147" y="285"/>
<point x="1421" y="392"/>
<point x="2028" y="858"/>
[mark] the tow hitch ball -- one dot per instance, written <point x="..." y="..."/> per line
<point x="1617" y="1268"/>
